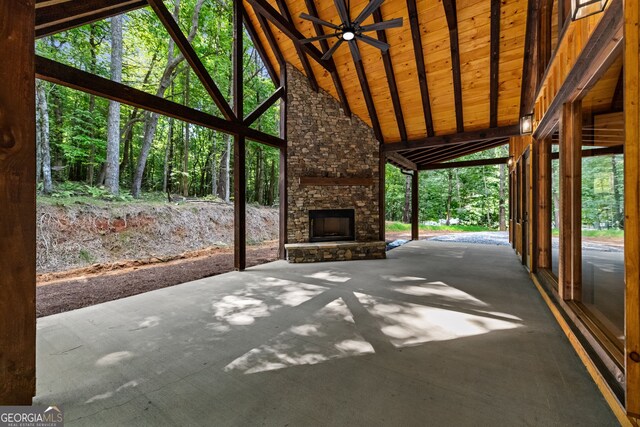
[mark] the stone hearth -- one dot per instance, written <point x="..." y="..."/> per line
<point x="332" y="163"/>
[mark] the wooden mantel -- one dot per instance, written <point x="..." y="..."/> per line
<point x="328" y="181"/>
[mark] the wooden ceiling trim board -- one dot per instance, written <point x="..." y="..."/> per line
<point x="391" y="79"/>
<point x="466" y="164"/>
<point x="287" y="28"/>
<point x="456" y="138"/>
<point x="419" y="58"/>
<point x="344" y="101"/>
<point x="495" y="62"/>
<point x="311" y="76"/>
<point x="401" y="161"/>
<point x="192" y="57"/>
<point x="47" y="29"/>
<point x="257" y="43"/>
<point x="452" y="21"/>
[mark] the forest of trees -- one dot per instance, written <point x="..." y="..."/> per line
<point x="472" y="196"/>
<point x="86" y="139"/>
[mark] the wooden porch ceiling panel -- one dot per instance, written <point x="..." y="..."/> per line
<point x="600" y="97"/>
<point x="474" y="40"/>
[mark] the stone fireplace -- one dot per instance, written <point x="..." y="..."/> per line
<point x="332" y="179"/>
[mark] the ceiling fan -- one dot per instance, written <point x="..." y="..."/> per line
<point x="351" y="30"/>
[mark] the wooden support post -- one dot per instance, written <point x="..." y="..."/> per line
<point x="415" y="204"/>
<point x="282" y="182"/>
<point x="632" y="204"/>
<point x="239" y="147"/>
<point x="570" y="256"/>
<point x="543" y="205"/>
<point x="17" y="204"/>
<point x="382" y="193"/>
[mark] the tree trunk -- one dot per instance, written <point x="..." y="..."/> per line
<point x="43" y="134"/>
<point x="502" y="219"/>
<point x="617" y="200"/>
<point x="112" y="163"/>
<point x="487" y="206"/>
<point x="259" y="183"/>
<point x="406" y="212"/>
<point x="187" y="136"/>
<point x="93" y="44"/>
<point x="151" y="122"/>
<point x="214" y="172"/>
<point x="167" y="159"/>
<point x="224" y="170"/>
<point x="449" y="195"/>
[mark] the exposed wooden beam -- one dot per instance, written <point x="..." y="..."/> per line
<point x="56" y="18"/>
<point x="601" y="50"/>
<point x="324" y="181"/>
<point x="400" y="161"/>
<point x="271" y="39"/>
<point x="463" y="150"/>
<point x="264" y="106"/>
<point x="446" y="152"/>
<point x="495" y="63"/>
<point x="311" y="9"/>
<point x="17" y="205"/>
<point x="73" y="78"/>
<point x="313" y="82"/>
<point x="366" y="92"/>
<point x="239" y="144"/>
<point x="452" y="22"/>
<point x="416" y="36"/>
<point x="192" y="57"/>
<point x="287" y="28"/>
<point x="528" y="84"/>
<point x="456" y="138"/>
<point x="257" y="43"/>
<point x="391" y="78"/>
<point x="466" y="164"/>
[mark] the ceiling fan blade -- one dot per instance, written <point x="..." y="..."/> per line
<point x="342" y="11"/>
<point x="374" y="42"/>
<point x="368" y="10"/>
<point x="313" y="39"/>
<point x="355" y="51"/>
<point x="335" y="46"/>
<point x="392" y="23"/>
<point x="318" y="21"/>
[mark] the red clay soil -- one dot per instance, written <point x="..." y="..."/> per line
<point x="98" y="284"/>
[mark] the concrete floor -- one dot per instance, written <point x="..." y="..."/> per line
<point x="438" y="334"/>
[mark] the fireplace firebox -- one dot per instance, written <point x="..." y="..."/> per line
<point x="331" y="225"/>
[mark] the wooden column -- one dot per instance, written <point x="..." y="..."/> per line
<point x="382" y="200"/>
<point x="17" y="204"/>
<point x="570" y="257"/>
<point x="282" y="182"/>
<point x="543" y="206"/>
<point x="632" y="204"/>
<point x="239" y="147"/>
<point x="415" y="204"/>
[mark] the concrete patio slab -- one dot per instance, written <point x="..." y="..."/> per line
<point x="437" y="334"/>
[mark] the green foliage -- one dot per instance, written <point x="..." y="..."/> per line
<point x="71" y="189"/>
<point x="392" y="226"/>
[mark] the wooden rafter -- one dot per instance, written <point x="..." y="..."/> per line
<point x="58" y="17"/>
<point x="73" y="78"/>
<point x="366" y="91"/>
<point x="456" y="138"/>
<point x="466" y="150"/>
<point x="313" y="82"/>
<point x="400" y="161"/>
<point x="391" y="78"/>
<point x="466" y="164"/>
<point x="264" y="106"/>
<point x="422" y="74"/>
<point x="528" y="84"/>
<point x="265" y="9"/>
<point x="271" y="39"/>
<point x="311" y="9"/>
<point x="495" y="63"/>
<point x="192" y="57"/>
<point x="255" y="39"/>
<point x="452" y="22"/>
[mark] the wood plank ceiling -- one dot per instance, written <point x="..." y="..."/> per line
<point x="454" y="68"/>
<point x="454" y="35"/>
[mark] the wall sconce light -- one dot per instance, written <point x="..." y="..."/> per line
<point x="526" y="124"/>
<point x="583" y="8"/>
<point x="510" y="161"/>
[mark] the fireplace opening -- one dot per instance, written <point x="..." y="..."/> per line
<point x="330" y="225"/>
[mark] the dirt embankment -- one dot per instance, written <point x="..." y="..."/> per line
<point x="118" y="235"/>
